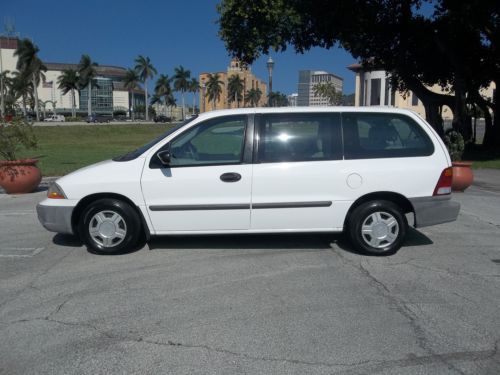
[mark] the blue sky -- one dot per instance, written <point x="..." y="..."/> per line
<point x="171" y="33"/>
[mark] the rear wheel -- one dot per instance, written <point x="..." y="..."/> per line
<point x="377" y="227"/>
<point x="110" y="226"/>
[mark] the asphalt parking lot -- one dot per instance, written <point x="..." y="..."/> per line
<point x="301" y="304"/>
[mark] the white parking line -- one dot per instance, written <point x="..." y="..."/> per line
<point x="20" y="252"/>
<point x="17" y="213"/>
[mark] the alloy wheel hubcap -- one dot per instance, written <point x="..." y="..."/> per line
<point x="380" y="229"/>
<point x="107" y="228"/>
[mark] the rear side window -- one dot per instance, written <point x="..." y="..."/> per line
<point x="299" y="137"/>
<point x="383" y="135"/>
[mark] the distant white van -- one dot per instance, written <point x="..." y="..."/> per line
<point x="264" y="170"/>
<point x="55" y="118"/>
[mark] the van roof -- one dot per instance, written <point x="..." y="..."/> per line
<point x="371" y="109"/>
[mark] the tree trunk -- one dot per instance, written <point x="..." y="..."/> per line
<point x="194" y="101"/>
<point x="182" y="96"/>
<point x="433" y="116"/>
<point x="490" y="139"/>
<point x="496" y="116"/>
<point x="146" y="99"/>
<point x="73" y="103"/>
<point x="35" y="94"/>
<point x="133" y="105"/>
<point x="2" y="92"/>
<point x="89" y="99"/>
<point x="460" y="120"/>
<point x="24" y="105"/>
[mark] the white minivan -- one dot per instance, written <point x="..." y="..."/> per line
<point x="264" y="170"/>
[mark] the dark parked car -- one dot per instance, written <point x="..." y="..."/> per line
<point x="99" y="118"/>
<point x="162" y="118"/>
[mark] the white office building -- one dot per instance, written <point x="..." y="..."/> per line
<point x="109" y="95"/>
<point x="308" y="79"/>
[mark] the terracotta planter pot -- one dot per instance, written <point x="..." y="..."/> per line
<point x="19" y="176"/>
<point x="462" y="175"/>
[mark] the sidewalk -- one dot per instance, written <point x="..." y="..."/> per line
<point x="487" y="179"/>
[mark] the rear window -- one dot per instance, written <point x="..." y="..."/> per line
<point x="383" y="135"/>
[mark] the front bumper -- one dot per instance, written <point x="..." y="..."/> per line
<point x="434" y="210"/>
<point x="55" y="218"/>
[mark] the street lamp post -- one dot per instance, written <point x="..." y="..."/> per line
<point x="270" y="66"/>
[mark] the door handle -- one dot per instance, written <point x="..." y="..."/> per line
<point x="230" y="177"/>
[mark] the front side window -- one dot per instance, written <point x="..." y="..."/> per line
<point x="213" y="142"/>
<point x="299" y="137"/>
<point x="383" y="135"/>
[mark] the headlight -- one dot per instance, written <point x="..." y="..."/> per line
<point x="55" y="192"/>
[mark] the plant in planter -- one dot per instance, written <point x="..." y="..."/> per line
<point x="462" y="172"/>
<point x="17" y="176"/>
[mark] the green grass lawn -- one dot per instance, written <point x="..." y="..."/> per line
<point x="482" y="158"/>
<point x="63" y="149"/>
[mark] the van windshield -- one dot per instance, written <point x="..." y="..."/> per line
<point x="139" y="151"/>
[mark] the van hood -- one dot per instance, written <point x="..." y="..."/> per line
<point x="105" y="176"/>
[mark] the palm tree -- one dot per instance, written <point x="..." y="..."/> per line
<point x="327" y="90"/>
<point x="181" y="83"/>
<point x="145" y="70"/>
<point x="29" y="63"/>
<point x="68" y="82"/>
<point x="253" y="96"/>
<point x="235" y="89"/>
<point x="87" y="72"/>
<point x="278" y="99"/>
<point x="4" y="78"/>
<point x="194" y="86"/>
<point x="162" y="88"/>
<point x="131" y="81"/>
<point x="170" y="102"/>
<point x="214" y="88"/>
<point x="21" y="88"/>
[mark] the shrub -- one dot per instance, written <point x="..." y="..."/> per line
<point x="455" y="144"/>
<point x="14" y="136"/>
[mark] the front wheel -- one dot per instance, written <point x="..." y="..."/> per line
<point x="110" y="226"/>
<point x="377" y="228"/>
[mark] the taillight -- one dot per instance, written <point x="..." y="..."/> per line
<point x="443" y="185"/>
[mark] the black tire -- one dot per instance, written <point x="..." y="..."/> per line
<point x="385" y="237"/>
<point x="127" y="223"/>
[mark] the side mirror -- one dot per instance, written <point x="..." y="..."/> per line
<point x="164" y="157"/>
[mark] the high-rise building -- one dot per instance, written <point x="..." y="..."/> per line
<point x="292" y="99"/>
<point x="310" y="78"/>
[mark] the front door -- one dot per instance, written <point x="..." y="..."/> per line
<point x="207" y="185"/>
